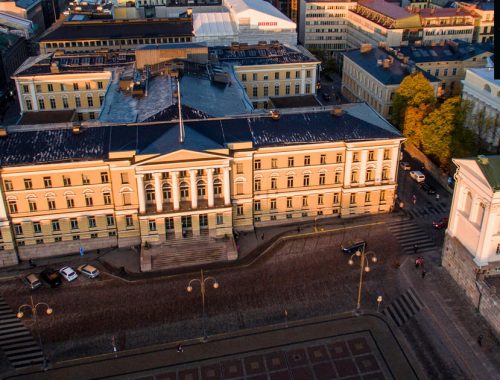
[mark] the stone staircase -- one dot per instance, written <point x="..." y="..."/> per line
<point x="193" y="250"/>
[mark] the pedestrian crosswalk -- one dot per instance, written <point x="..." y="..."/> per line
<point x="410" y="234"/>
<point x="16" y="341"/>
<point x="438" y="209"/>
<point x="404" y="307"/>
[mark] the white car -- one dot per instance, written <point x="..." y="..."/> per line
<point x="417" y="175"/>
<point x="88" y="270"/>
<point x="68" y="273"/>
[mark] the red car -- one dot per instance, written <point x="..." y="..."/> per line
<point x="440" y="224"/>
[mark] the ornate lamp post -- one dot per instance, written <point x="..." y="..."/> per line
<point x="32" y="308"/>
<point x="364" y="267"/>
<point x="202" y="281"/>
<point x="379" y="301"/>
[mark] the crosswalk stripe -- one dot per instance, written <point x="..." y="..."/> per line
<point x="16" y="341"/>
<point x="414" y="298"/>
<point x="403" y="308"/>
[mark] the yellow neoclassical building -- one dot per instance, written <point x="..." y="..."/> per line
<point x="155" y="186"/>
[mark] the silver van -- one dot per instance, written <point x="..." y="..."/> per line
<point x="32" y="281"/>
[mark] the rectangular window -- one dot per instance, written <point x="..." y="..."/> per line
<point x="239" y="210"/>
<point x="308" y="74"/>
<point x="273" y="204"/>
<point x="220" y="219"/>
<point x="73" y="223"/>
<point x="28" y="185"/>
<point x="37" y="228"/>
<point x="304" y="201"/>
<point x="355" y="157"/>
<point x="78" y="102"/>
<point x="337" y="177"/>
<point x="56" y="226"/>
<point x="29" y="105"/>
<point x="75" y="86"/>
<point x="243" y="77"/>
<point x="322" y="178"/>
<point x="306" y="180"/>
<point x="289" y="216"/>
<point x="308" y="88"/>
<point x="52" y="103"/>
<point x="239" y="188"/>
<point x="8" y="185"/>
<point x="99" y="85"/>
<point x="289" y="202"/>
<point x="371" y="155"/>
<point x="129" y="221"/>
<point x="87" y="85"/>
<point x="387" y="154"/>
<point x="90" y="101"/>
<point x="336" y="198"/>
<point x="85" y="179"/>
<point x="256" y="206"/>
<point x="89" y="201"/>
<point x="107" y="198"/>
<point x="70" y="202"/>
<point x="274" y="163"/>
<point x="382" y="196"/>
<point x="297" y="89"/>
<point x="12" y="207"/>
<point x="57" y="239"/>
<point x="289" y="181"/>
<point x="454" y="71"/>
<point x="287" y="89"/>
<point x="256" y="165"/>
<point x="104" y="177"/>
<point x="25" y="89"/>
<point x="274" y="183"/>
<point x="276" y="90"/>
<point x="124" y="177"/>
<point x="51" y="203"/>
<point x="307" y="160"/>
<point x="152" y="225"/>
<point x="38" y="88"/>
<point x="32" y="205"/>
<point x="18" y="229"/>
<point x="92" y="222"/>
<point x="276" y="75"/>
<point x="239" y="168"/>
<point x="66" y="181"/>
<point x="110" y="220"/>
<point x="257" y="185"/>
<point x="290" y="162"/>
<point x="369" y="174"/>
<point x="126" y="199"/>
<point x="352" y="199"/>
<point x="50" y="87"/>
<point x="320" y="199"/>
<point x="368" y="197"/>
<point x="203" y="220"/>
<point x="47" y="182"/>
<point x="323" y="159"/>
<point x="255" y="92"/>
<point x="266" y="91"/>
<point x="339" y="158"/>
<point x="354" y="176"/>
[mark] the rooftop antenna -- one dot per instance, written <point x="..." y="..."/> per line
<point x="181" y="123"/>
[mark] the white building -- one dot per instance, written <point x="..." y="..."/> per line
<point x="483" y="92"/>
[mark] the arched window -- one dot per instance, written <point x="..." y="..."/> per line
<point x="184" y="190"/>
<point x="487" y="87"/>
<point x="150" y="193"/>
<point x="167" y="191"/>
<point x="217" y="187"/>
<point x="201" y="189"/>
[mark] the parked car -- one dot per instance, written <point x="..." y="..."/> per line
<point x="88" y="270"/>
<point x="405" y="165"/>
<point x="440" y="224"/>
<point x="68" y="273"/>
<point x="428" y="188"/>
<point x="353" y="245"/>
<point x="51" y="277"/>
<point x="417" y="175"/>
<point x="326" y="96"/>
<point x="33" y="281"/>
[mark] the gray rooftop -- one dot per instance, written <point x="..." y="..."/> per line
<point x="461" y="52"/>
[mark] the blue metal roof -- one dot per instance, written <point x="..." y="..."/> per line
<point x="461" y="52"/>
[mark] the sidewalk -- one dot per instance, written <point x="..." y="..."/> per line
<point x="464" y="348"/>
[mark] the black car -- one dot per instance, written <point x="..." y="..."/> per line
<point x="326" y="96"/>
<point x="51" y="277"/>
<point x="353" y="245"/>
<point x="428" y="188"/>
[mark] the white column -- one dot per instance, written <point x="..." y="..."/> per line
<point x="302" y="81"/>
<point x="158" y="194"/>
<point x="487" y="230"/>
<point x="194" y="191"/>
<point x="394" y="163"/>
<point x="175" y="190"/>
<point x="210" y="187"/>
<point x="227" y="187"/>
<point x="348" y="168"/>
<point x="140" y="193"/>
<point x="34" y="99"/>
<point x="362" y="169"/>
<point x="380" y="164"/>
<point x="3" y="209"/>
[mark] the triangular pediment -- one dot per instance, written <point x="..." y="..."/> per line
<point x="180" y="156"/>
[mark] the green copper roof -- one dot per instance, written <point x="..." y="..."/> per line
<point x="490" y="166"/>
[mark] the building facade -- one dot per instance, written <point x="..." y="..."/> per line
<point x="13" y="52"/>
<point x="440" y="24"/>
<point x="126" y="185"/>
<point x="484" y="14"/>
<point x="482" y="91"/>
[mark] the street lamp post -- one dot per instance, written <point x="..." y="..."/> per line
<point x="33" y="310"/>
<point x="379" y="301"/>
<point x="202" y="281"/>
<point x="364" y="267"/>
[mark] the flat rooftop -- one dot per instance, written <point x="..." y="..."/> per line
<point x="45" y="117"/>
<point x="460" y="52"/>
<point x="295" y="101"/>
<point x="265" y="54"/>
<point x="443" y="12"/>
<point x="388" y="76"/>
<point x="385" y="8"/>
<point x="113" y="29"/>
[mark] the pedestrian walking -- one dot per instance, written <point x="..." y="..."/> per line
<point x="414" y="199"/>
<point x="415" y="248"/>
<point x="480" y="340"/>
<point x="437" y="197"/>
<point x="417" y="262"/>
<point x="423" y="274"/>
<point x="298" y="229"/>
<point x="262" y="237"/>
<point x="180" y="348"/>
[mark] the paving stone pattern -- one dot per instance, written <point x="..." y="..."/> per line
<point x="354" y="356"/>
<point x="408" y="233"/>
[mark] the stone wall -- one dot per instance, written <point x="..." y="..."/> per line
<point x="460" y="265"/>
<point x="8" y="258"/>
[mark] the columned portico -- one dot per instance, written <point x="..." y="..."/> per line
<point x="140" y="193"/>
<point x="210" y="187"/>
<point x="158" y="193"/>
<point x="193" y="190"/>
<point x="227" y="186"/>
<point x="175" y="190"/>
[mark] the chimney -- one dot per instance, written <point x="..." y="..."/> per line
<point x="54" y="68"/>
<point x="386" y="63"/>
<point x="365" y="48"/>
<point x="189" y="12"/>
<point x="337" y="111"/>
<point x="3" y="132"/>
<point x="275" y="114"/>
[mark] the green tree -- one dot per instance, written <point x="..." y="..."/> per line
<point x="415" y="90"/>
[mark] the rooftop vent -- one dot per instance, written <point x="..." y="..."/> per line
<point x="483" y="160"/>
<point x="337" y="111"/>
<point x="365" y="48"/>
<point x="3" y="132"/>
<point x="275" y="114"/>
<point x="379" y="62"/>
